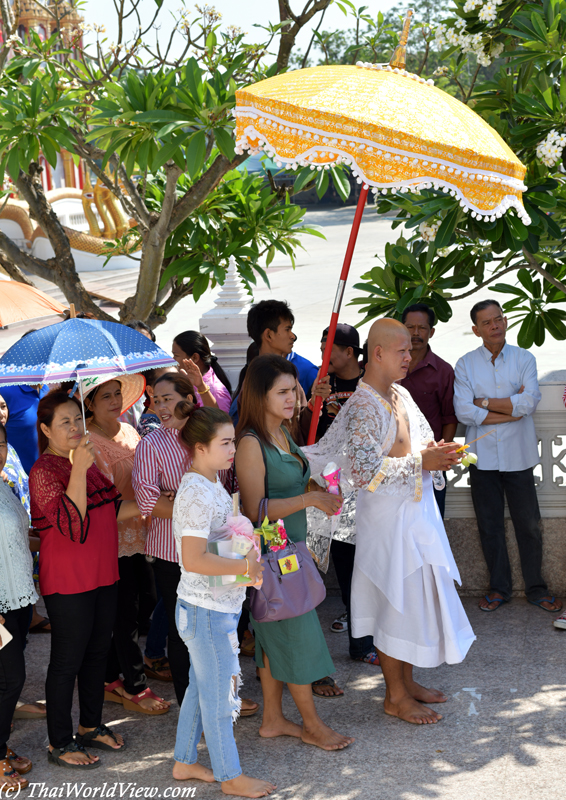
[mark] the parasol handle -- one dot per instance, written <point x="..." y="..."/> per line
<point x="337" y="305"/>
<point x="72" y="312"/>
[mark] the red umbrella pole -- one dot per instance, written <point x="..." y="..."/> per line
<point x="337" y="305"/>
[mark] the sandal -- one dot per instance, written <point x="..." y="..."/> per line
<point x="110" y="693"/>
<point x="340" y="625"/>
<point x="41" y="626"/>
<point x="159" y="669"/>
<point x="54" y="757"/>
<point x="133" y="703"/>
<point x="88" y="739"/>
<point x="8" y="771"/>
<point x="328" y="681"/>
<point x="498" y="600"/>
<point x="249" y="712"/>
<point x="19" y="763"/>
<point x="369" y="658"/>
<point x="19" y="713"/>
<point x="546" y="599"/>
<point x="247" y="647"/>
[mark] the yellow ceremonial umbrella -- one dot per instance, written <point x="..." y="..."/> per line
<point x="395" y="131"/>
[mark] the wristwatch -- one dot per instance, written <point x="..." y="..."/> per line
<point x="485" y="402"/>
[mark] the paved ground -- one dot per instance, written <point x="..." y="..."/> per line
<point x="501" y="736"/>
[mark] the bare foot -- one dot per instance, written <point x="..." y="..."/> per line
<point x="412" y="711"/>
<point x="244" y="786"/>
<point x="493" y="605"/>
<point x="326" y="687"/>
<point x="324" y="737"/>
<point x="77" y="757"/>
<point x="424" y="695"/>
<point x="196" y="771"/>
<point x="282" y="727"/>
<point x="37" y="709"/>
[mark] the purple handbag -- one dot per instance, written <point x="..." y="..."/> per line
<point x="290" y="595"/>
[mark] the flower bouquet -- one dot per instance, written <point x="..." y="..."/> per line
<point x="233" y="540"/>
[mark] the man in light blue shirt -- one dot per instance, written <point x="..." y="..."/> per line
<point x="496" y="389"/>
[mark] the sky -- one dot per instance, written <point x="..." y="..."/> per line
<point x="242" y="13"/>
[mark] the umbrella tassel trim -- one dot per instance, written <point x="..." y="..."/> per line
<point x="468" y="179"/>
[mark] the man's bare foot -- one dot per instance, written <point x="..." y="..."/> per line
<point x="282" y="727"/>
<point x="324" y="737"/>
<point x="411" y="710"/>
<point x="326" y="687"/>
<point x="424" y="695"/>
<point x="196" y="771"/>
<point x="495" y="600"/>
<point x="244" y="786"/>
<point x="77" y="757"/>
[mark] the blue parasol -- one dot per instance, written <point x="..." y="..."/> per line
<point x="79" y="348"/>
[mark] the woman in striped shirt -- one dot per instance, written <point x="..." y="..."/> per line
<point x="160" y="462"/>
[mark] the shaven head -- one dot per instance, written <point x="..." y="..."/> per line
<point x="389" y="350"/>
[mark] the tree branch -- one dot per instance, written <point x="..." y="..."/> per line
<point x="533" y="263"/>
<point x="200" y="190"/>
<point x="487" y="282"/>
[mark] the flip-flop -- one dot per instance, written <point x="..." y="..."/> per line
<point x="328" y="681"/>
<point x="370" y="658"/>
<point x="544" y="600"/>
<point x="498" y="600"/>
<point x="20" y="764"/>
<point x="40" y="627"/>
<point x="88" y="739"/>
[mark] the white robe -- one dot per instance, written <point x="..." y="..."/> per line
<point x="403" y="591"/>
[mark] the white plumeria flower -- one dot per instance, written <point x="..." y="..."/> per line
<point x="488" y="12"/>
<point x="550" y="150"/>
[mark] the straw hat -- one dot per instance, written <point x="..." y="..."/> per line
<point x="133" y="385"/>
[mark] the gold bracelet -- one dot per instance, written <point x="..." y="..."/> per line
<point x="205" y="390"/>
<point x="247" y="572"/>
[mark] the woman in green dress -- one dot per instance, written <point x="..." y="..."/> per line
<point x="269" y="463"/>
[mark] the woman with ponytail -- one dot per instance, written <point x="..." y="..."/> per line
<point x="192" y="352"/>
<point x="206" y="622"/>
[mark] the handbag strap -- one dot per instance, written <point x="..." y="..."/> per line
<point x="262" y="510"/>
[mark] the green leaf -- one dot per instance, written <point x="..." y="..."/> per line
<point x="341" y="183"/>
<point x="305" y="176"/>
<point x="196" y="152"/>
<point x="225" y="142"/>
<point x="164" y="154"/>
<point x="321" y="182"/>
<point x="446" y="231"/>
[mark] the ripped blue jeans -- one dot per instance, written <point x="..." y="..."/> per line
<point x="211" y="702"/>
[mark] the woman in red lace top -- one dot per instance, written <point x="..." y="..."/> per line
<point x="114" y="446"/>
<point x="74" y="509"/>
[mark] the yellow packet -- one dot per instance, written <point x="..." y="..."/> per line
<point x="288" y="564"/>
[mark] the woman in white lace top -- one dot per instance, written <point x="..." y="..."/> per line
<point x="206" y="622"/>
<point x="17" y="595"/>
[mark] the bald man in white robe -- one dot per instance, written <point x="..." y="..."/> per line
<point x="403" y="591"/>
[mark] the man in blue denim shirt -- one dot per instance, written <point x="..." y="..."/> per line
<point x="496" y="390"/>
